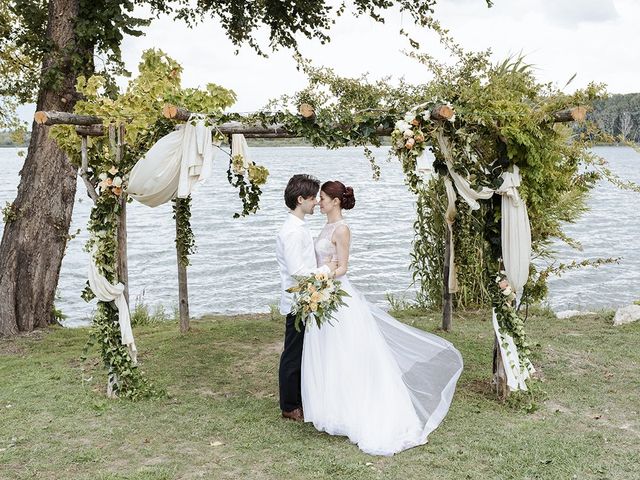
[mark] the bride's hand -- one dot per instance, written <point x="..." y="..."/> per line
<point x="332" y="266"/>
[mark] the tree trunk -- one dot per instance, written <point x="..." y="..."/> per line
<point x="33" y="243"/>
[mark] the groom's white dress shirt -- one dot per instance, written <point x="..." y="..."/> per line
<point x="296" y="256"/>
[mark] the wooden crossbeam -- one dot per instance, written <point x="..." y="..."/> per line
<point x="87" y="125"/>
<point x="64" y="118"/>
<point x="575" y="114"/>
<point x="91" y="126"/>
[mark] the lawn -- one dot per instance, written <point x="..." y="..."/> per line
<point x="219" y="418"/>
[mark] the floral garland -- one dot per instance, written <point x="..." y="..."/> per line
<point x="248" y="181"/>
<point x="412" y="135"/>
<point x="125" y="379"/>
<point x="509" y="322"/>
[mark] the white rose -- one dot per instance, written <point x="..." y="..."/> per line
<point x="426" y="114"/>
<point x="408" y="133"/>
<point x="507" y="291"/>
<point x="117" y="182"/>
<point x="409" y="116"/>
<point x="102" y="176"/>
<point x="402" y="125"/>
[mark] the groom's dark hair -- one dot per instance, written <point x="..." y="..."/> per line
<point x="301" y="185"/>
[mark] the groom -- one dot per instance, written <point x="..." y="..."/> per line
<point x="296" y="256"/>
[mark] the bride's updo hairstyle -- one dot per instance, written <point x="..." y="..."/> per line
<point x="336" y="189"/>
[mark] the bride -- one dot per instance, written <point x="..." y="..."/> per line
<point x="365" y="375"/>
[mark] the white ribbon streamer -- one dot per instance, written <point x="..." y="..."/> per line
<point x="106" y="292"/>
<point x="516" y="231"/>
<point x="516" y="374"/>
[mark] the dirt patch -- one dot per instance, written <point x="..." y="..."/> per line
<point x="11" y="346"/>
<point x="481" y="387"/>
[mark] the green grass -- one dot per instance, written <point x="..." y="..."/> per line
<point x="221" y="384"/>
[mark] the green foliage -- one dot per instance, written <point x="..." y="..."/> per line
<point x="125" y="376"/>
<point x="9" y="213"/>
<point x="185" y="240"/>
<point x="142" y="314"/>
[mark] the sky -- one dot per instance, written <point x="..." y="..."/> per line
<point x="595" y="39"/>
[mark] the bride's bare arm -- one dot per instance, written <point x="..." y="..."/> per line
<point x="342" y="239"/>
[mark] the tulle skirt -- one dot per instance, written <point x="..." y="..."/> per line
<point x="383" y="384"/>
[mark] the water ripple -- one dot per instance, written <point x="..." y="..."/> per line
<point x="234" y="269"/>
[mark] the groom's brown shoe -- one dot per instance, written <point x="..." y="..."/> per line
<point x="295" y="414"/>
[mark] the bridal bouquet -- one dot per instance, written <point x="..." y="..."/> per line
<point x="316" y="298"/>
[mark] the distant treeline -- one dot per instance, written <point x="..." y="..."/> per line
<point x="619" y="115"/>
<point x="7" y="139"/>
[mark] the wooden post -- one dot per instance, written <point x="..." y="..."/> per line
<point x="117" y="138"/>
<point x="123" y="264"/>
<point x="183" y="289"/>
<point x="447" y="297"/>
<point x="499" y="372"/>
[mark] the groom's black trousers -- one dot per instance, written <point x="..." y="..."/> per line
<point x="290" y="367"/>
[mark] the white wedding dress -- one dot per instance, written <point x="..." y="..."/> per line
<point x="367" y="376"/>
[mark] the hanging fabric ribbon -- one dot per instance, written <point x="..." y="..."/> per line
<point x="239" y="148"/>
<point x="516" y="231"/>
<point x="468" y="194"/>
<point x="450" y="217"/>
<point x="174" y="165"/>
<point x="516" y="373"/>
<point x="106" y="292"/>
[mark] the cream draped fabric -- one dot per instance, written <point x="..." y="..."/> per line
<point x="516" y="231"/>
<point x="424" y="163"/>
<point x="450" y="217"/>
<point x="516" y="373"/>
<point x="239" y="147"/>
<point x="173" y="165"/>
<point x="106" y="292"/>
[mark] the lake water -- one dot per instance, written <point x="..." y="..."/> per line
<point x="234" y="269"/>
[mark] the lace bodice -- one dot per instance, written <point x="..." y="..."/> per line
<point x="325" y="249"/>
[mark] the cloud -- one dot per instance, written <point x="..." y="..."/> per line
<point x="571" y="13"/>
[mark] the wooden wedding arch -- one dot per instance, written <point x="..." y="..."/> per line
<point x="91" y="126"/>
